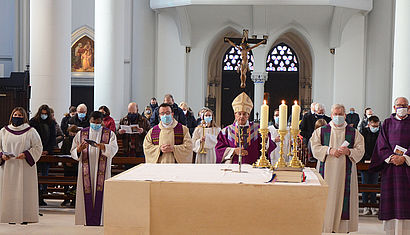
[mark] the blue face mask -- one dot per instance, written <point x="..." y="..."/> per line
<point x="276" y="119"/>
<point x="374" y="129"/>
<point x="44" y="116"/>
<point x="81" y="115"/>
<point x="208" y="119"/>
<point x="166" y="119"/>
<point x="351" y="112"/>
<point x="338" y="120"/>
<point x="95" y="126"/>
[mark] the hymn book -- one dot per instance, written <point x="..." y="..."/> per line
<point x="399" y="150"/>
<point x="130" y="129"/>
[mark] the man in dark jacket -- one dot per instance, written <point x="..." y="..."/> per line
<point x="370" y="134"/>
<point x="178" y="113"/>
<point x="64" y="122"/>
<point x="352" y="118"/>
<point x="307" y="126"/>
<point x="80" y="119"/>
<point x="189" y="115"/>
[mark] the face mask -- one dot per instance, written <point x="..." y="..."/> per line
<point x="104" y="115"/>
<point x="148" y="112"/>
<point x="166" y="119"/>
<point x="368" y="115"/>
<point x="401" y="112"/>
<point x="81" y="115"/>
<point x="132" y="116"/>
<point x="208" y="119"/>
<point x="17" y="121"/>
<point x="185" y="112"/>
<point x="276" y="119"/>
<point x="44" y="116"/>
<point x="338" y="120"/>
<point x="351" y="112"/>
<point x="374" y="129"/>
<point x="320" y="115"/>
<point x="95" y="127"/>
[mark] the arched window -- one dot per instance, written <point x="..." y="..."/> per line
<point x="282" y="58"/>
<point x="233" y="59"/>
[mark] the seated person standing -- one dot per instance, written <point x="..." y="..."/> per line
<point x="169" y="141"/>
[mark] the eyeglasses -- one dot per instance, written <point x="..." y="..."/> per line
<point x="167" y="113"/>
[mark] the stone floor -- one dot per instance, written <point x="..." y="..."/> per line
<point x="57" y="220"/>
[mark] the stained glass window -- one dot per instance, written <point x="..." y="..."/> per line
<point x="282" y="58"/>
<point x="233" y="59"/>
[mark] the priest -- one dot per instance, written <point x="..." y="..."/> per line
<point x="169" y="141"/>
<point x="94" y="147"/>
<point x="242" y="136"/>
<point x="338" y="147"/>
<point x="395" y="169"/>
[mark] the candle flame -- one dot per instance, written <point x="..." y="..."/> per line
<point x="283" y="101"/>
<point x="264" y="102"/>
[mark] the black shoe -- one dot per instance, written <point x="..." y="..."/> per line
<point x="42" y="203"/>
<point x="65" y="202"/>
<point x="12" y="223"/>
<point x="24" y="223"/>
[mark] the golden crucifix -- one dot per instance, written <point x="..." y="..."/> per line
<point x="242" y="44"/>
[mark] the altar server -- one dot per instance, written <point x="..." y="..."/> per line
<point x="207" y="141"/>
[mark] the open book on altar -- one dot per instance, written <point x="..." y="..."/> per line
<point x="130" y="129"/>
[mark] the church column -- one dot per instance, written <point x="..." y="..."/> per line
<point x="259" y="79"/>
<point x="109" y="57"/>
<point x="50" y="56"/>
<point x="401" y="80"/>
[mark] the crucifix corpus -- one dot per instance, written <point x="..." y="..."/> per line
<point x="242" y="44"/>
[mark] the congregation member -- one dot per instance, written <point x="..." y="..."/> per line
<point x="370" y="134"/>
<point x="20" y="149"/>
<point x="59" y="131"/>
<point x="204" y="137"/>
<point x="189" y="116"/>
<point x="80" y="119"/>
<point x="274" y="133"/>
<point x="200" y="116"/>
<point x="147" y="112"/>
<point x="352" y="118"/>
<point x="153" y="103"/>
<point x="307" y="125"/>
<point x="108" y="121"/>
<point x="46" y="128"/>
<point x="338" y="147"/>
<point x="368" y="112"/>
<point x="177" y="111"/>
<point x="395" y="169"/>
<point x="133" y="143"/>
<point x="169" y="141"/>
<point x="227" y="148"/>
<point x="94" y="168"/>
<point x="64" y="122"/>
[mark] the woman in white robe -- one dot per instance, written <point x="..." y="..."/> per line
<point x="109" y="151"/>
<point x="18" y="173"/>
<point x="208" y="141"/>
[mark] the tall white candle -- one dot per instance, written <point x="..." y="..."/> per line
<point x="295" y="116"/>
<point x="283" y="116"/>
<point x="264" y="115"/>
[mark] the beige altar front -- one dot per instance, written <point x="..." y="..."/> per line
<point x="211" y="199"/>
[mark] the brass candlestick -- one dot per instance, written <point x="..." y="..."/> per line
<point x="295" y="162"/>
<point x="263" y="161"/>
<point x="281" y="163"/>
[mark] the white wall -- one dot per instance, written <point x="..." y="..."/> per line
<point x="349" y="65"/>
<point x="83" y="13"/>
<point x="7" y="35"/>
<point x="170" y="61"/>
<point x="143" y="53"/>
<point x="379" y="63"/>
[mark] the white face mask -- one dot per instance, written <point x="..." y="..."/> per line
<point x="338" y="120"/>
<point x="402" y="112"/>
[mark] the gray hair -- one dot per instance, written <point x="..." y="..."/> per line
<point x="338" y="106"/>
<point x="313" y="105"/>
<point x="82" y="106"/>
<point x="402" y="97"/>
<point x="319" y="106"/>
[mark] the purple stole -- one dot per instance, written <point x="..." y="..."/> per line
<point x="349" y="137"/>
<point x="93" y="210"/>
<point x="178" y="134"/>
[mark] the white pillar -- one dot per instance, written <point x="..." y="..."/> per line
<point x="50" y="56"/>
<point x="259" y="79"/>
<point x="109" y="57"/>
<point x="401" y="78"/>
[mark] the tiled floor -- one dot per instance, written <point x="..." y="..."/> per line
<point x="61" y="221"/>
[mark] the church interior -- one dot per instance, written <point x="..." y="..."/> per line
<point x="204" y="53"/>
